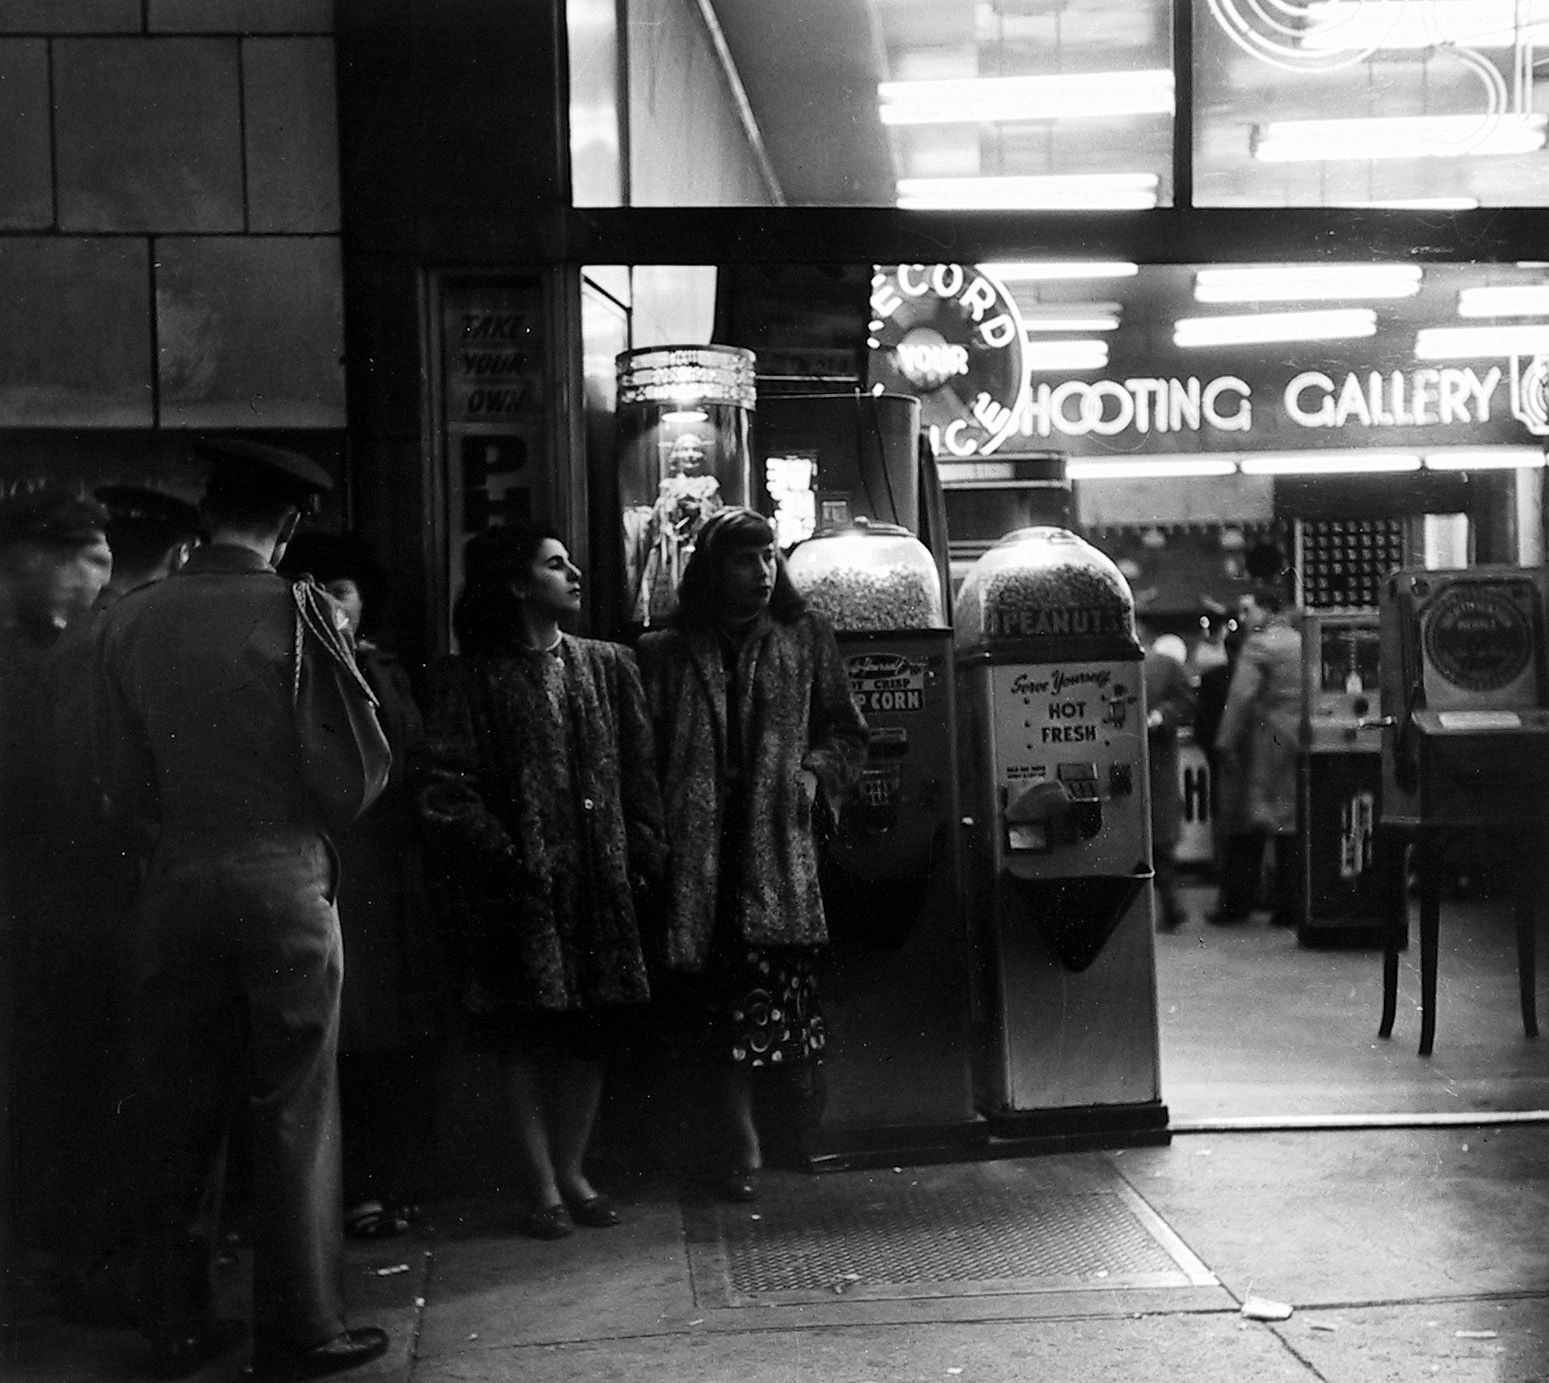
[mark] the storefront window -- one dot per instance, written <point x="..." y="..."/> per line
<point x="1427" y="104"/>
<point x="970" y="104"/>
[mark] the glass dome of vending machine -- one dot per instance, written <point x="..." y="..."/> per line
<point x="1043" y="583"/>
<point x="1058" y="842"/>
<point x="869" y="577"/>
<point x="896" y="983"/>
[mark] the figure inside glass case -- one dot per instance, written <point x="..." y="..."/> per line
<point x="689" y="495"/>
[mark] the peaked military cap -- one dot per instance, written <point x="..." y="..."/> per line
<point x="150" y="509"/>
<point x="52" y="513"/>
<point x="259" y="467"/>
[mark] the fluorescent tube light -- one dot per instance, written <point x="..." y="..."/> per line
<point x="1041" y="317"/>
<point x="1451" y="343"/>
<point x="1327" y="463"/>
<point x="1505" y="300"/>
<point x="1065" y="355"/>
<point x="1416" y="204"/>
<point x="1397" y="136"/>
<point x="1141" y="468"/>
<point x="1359" y="25"/>
<point x="1032" y="271"/>
<point x="1306" y="282"/>
<point x="1077" y="192"/>
<point x="1073" y="96"/>
<point x="1331" y="324"/>
<point x="1494" y="459"/>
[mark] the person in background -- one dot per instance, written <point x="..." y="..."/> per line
<point x="390" y="1028"/>
<point x="1256" y="745"/>
<point x="537" y="785"/>
<point x="237" y="957"/>
<point x="97" y="867"/>
<point x="754" y="719"/>
<point x="1169" y="707"/>
<point x="54" y="560"/>
<point x="1209" y="704"/>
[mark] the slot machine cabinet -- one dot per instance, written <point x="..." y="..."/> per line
<point x="1340" y="781"/>
<point x="1465" y="743"/>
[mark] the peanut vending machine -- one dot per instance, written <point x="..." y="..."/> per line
<point x="1057" y="831"/>
<point x="896" y="977"/>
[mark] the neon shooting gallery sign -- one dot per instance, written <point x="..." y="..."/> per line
<point x="952" y="336"/>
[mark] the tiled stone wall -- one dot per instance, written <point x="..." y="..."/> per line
<point x="169" y="215"/>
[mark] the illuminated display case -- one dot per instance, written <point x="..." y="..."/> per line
<point x="683" y="414"/>
<point x="869" y="577"/>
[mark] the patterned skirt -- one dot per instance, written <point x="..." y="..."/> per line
<point x="761" y="1008"/>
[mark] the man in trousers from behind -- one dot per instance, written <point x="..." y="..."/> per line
<point x="237" y="957"/>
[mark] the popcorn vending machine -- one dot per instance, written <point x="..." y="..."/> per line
<point x="682" y="422"/>
<point x="896" y="982"/>
<point x="1058" y="844"/>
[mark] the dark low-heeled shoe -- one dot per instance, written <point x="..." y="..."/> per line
<point x="273" y="1363"/>
<point x="548" y="1222"/>
<point x="178" y="1356"/>
<point x="740" y="1184"/>
<point x="595" y="1212"/>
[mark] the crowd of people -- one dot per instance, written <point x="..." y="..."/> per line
<point x="227" y="813"/>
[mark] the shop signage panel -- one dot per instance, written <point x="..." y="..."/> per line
<point x="953" y="336"/>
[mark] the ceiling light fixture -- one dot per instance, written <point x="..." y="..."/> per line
<point x="1034" y="271"/>
<point x="1306" y="282"/>
<point x="1327" y="463"/>
<point x="1262" y="328"/>
<point x="1415" y="204"/>
<point x="1495" y="459"/>
<point x="1397" y="136"/>
<point x="1505" y="300"/>
<point x="1065" y="355"/>
<point x="1041" y="317"/>
<point x="1069" y="96"/>
<point x="1120" y="468"/>
<point x="1076" y="192"/>
<point x="1342" y="25"/>
<point x="1453" y="343"/>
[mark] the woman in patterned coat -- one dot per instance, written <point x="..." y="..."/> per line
<point x="539" y="789"/>
<point x="754" y="719"/>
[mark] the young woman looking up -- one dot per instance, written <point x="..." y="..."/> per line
<point x="539" y="789"/>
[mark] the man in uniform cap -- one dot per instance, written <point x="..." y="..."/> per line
<point x="237" y="953"/>
<point x="54" y="559"/>
<point x="96" y="868"/>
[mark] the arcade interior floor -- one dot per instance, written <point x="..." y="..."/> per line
<point x="1257" y="1028"/>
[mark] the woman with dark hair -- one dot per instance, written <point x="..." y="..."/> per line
<point x="754" y="719"/>
<point x="390" y="1014"/>
<point x="538" y="784"/>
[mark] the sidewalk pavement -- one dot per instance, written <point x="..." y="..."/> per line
<point x="1405" y="1254"/>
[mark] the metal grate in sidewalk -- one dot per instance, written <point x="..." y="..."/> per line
<point x="964" y="1230"/>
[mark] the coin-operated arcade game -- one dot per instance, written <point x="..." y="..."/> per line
<point x="1465" y="745"/>
<point x="1340" y="781"/>
<point x="896" y="979"/>
<point x="1466" y="696"/>
<point x="1053" y="731"/>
